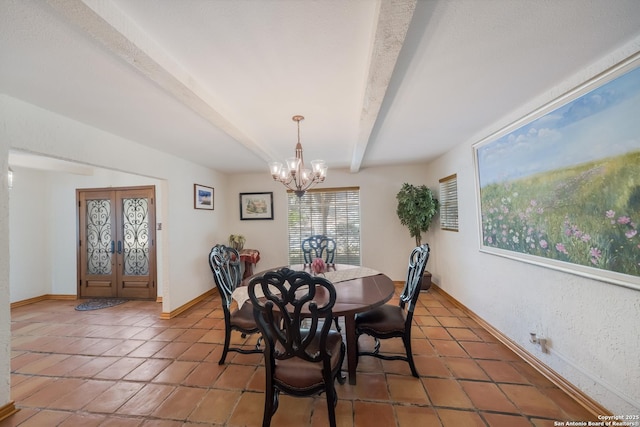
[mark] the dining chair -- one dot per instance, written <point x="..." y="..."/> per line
<point x="394" y="321"/>
<point x="319" y="246"/>
<point x="225" y="265"/>
<point x="302" y="354"/>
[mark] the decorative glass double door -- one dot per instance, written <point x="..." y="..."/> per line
<point x="116" y="245"/>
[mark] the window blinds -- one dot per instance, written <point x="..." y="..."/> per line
<point x="449" y="203"/>
<point x="334" y="213"/>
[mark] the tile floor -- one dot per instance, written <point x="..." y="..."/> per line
<point x="123" y="366"/>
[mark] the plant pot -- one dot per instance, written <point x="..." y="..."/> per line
<point x="426" y="281"/>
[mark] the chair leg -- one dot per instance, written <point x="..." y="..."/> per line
<point x="339" y="375"/>
<point x="332" y="400"/>
<point x="225" y="348"/>
<point x="338" y="328"/>
<point x="407" y="346"/>
<point x="270" y="405"/>
<point x="276" y="401"/>
<point x="357" y="349"/>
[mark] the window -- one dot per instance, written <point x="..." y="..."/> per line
<point x="449" y="203"/>
<point x="334" y="213"/>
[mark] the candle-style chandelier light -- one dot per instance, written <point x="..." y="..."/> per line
<point x="295" y="176"/>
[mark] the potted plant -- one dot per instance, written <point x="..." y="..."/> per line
<point x="236" y="241"/>
<point x="416" y="209"/>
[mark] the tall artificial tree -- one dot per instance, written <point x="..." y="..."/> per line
<point x="416" y="208"/>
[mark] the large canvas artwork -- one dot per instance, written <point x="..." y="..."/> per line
<point x="563" y="189"/>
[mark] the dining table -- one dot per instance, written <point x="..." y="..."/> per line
<point x="358" y="289"/>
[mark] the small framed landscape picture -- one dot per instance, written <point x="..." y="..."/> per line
<point x="202" y="197"/>
<point x="256" y="205"/>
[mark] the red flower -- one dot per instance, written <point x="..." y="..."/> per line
<point x="318" y="265"/>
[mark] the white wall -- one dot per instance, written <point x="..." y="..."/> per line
<point x="592" y="326"/>
<point x="385" y="243"/>
<point x="5" y="312"/>
<point x="188" y="233"/>
<point x="30" y="219"/>
<point x="43" y="223"/>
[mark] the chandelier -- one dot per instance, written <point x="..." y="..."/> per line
<point x="294" y="175"/>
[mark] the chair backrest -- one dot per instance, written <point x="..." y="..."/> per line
<point x="417" y="263"/>
<point x="293" y="310"/>
<point x="225" y="265"/>
<point x="319" y="246"/>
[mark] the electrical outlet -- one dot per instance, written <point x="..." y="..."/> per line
<point x="542" y="342"/>
<point x="543" y="345"/>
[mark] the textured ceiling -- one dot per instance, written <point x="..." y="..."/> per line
<point x="379" y="82"/>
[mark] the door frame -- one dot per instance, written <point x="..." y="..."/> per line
<point x="153" y="267"/>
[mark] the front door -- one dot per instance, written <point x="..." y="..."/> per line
<point x="116" y="244"/>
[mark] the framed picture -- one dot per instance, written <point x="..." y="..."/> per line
<point x="256" y="205"/>
<point x="202" y="197"/>
<point x="560" y="188"/>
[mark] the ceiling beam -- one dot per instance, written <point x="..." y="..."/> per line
<point x="394" y="17"/>
<point x="106" y="24"/>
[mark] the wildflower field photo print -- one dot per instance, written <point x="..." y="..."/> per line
<point x="563" y="189"/>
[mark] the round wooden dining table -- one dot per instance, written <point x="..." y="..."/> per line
<point x="358" y="289"/>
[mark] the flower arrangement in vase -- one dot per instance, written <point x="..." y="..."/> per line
<point x="236" y="241"/>
<point x="318" y="266"/>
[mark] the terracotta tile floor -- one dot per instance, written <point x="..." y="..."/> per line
<point x="124" y="366"/>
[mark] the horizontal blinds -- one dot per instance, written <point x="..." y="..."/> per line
<point x="449" y="203"/>
<point x="334" y="213"/>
